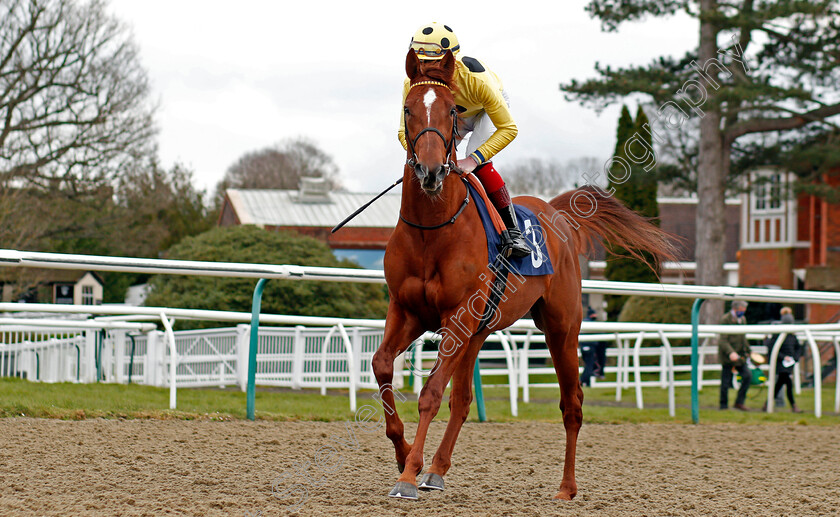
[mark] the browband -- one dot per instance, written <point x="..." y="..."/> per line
<point x="436" y="83"/>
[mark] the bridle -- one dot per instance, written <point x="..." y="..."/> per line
<point x="412" y="143"/>
<point x="448" y="167"/>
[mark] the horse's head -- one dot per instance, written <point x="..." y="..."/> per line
<point x="430" y="120"/>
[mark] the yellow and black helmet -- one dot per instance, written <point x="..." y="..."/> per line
<point x="433" y="40"/>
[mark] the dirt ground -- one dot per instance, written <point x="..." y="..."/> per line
<point x="142" y="467"/>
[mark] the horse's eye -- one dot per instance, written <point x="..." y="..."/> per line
<point x="405" y="110"/>
<point x="453" y="111"/>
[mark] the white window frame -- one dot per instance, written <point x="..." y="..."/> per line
<point x="87" y="295"/>
<point x="758" y="179"/>
<point x="755" y="209"/>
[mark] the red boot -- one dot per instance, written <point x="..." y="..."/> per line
<point x="513" y="243"/>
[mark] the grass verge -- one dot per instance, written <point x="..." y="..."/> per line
<point x="81" y="401"/>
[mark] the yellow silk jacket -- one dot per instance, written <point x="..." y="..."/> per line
<point x="478" y="90"/>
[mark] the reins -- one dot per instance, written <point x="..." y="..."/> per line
<point x="451" y="219"/>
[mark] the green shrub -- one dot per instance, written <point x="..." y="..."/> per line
<point x="656" y="309"/>
<point x="254" y="245"/>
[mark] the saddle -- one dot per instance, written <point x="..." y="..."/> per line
<point x="500" y="266"/>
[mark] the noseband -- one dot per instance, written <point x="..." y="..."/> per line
<point x="412" y="143"/>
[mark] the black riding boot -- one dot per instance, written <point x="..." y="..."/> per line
<point x="513" y="243"/>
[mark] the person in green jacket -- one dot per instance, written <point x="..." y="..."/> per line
<point x="733" y="351"/>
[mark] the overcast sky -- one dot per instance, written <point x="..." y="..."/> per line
<point x="236" y="77"/>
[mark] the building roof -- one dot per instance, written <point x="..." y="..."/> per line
<point x="272" y="207"/>
<point x="287" y="208"/>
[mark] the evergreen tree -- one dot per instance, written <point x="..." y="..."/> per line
<point x="759" y="67"/>
<point x="635" y="188"/>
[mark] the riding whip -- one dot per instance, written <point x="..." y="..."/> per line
<point x="357" y="212"/>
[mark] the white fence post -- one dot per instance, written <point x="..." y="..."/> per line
<point x="357" y="356"/>
<point x="160" y="359"/>
<point x="836" y="343"/>
<point x="25" y="364"/>
<point x="771" y="374"/>
<point x="118" y="338"/>
<point x="637" y="370"/>
<point x="89" y="355"/>
<point x="417" y="365"/>
<point x="514" y="391"/>
<point x="173" y="361"/>
<point x="663" y="360"/>
<point x="243" y="342"/>
<point x="621" y="374"/>
<point x="523" y="367"/>
<point x="297" y="357"/>
<point x="106" y="349"/>
<point x="150" y="359"/>
<point x="50" y="357"/>
<point x="348" y="348"/>
<point x="669" y="369"/>
<point x="817" y="363"/>
<point x="323" y="361"/>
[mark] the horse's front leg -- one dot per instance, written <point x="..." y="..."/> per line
<point x="460" y="397"/>
<point x="400" y="330"/>
<point x="451" y="351"/>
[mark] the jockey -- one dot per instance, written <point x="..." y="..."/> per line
<point x="483" y="112"/>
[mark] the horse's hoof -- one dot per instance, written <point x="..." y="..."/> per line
<point x="404" y="490"/>
<point x="431" y="481"/>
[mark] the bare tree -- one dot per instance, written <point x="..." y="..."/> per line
<point x="279" y="167"/>
<point x="74" y="105"/>
<point x="548" y="178"/>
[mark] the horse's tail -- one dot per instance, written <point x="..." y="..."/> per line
<point x="597" y="213"/>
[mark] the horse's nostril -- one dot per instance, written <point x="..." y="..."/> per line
<point x="421" y="171"/>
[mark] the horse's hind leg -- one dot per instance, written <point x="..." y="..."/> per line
<point x="561" y="337"/>
<point x="400" y="330"/>
<point x="460" y="397"/>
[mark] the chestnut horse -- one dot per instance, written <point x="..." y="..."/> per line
<point x="436" y="260"/>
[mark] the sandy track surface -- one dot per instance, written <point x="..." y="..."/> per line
<point x="142" y="467"/>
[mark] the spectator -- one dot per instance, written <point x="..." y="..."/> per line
<point x="733" y="351"/>
<point x="600" y="352"/>
<point x="789" y="354"/>
<point x="587" y="353"/>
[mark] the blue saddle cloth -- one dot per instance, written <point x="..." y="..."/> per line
<point x="535" y="264"/>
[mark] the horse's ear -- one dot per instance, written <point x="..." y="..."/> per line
<point x="447" y="64"/>
<point x="412" y="64"/>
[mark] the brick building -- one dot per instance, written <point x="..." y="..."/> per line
<point x="792" y="242"/>
<point x="314" y="210"/>
<point x="677" y="216"/>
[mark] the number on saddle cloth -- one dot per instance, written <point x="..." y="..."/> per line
<point x="535" y="264"/>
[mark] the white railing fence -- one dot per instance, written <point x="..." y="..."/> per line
<point x="340" y="357"/>
<point x="355" y="352"/>
<point x="44" y="355"/>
